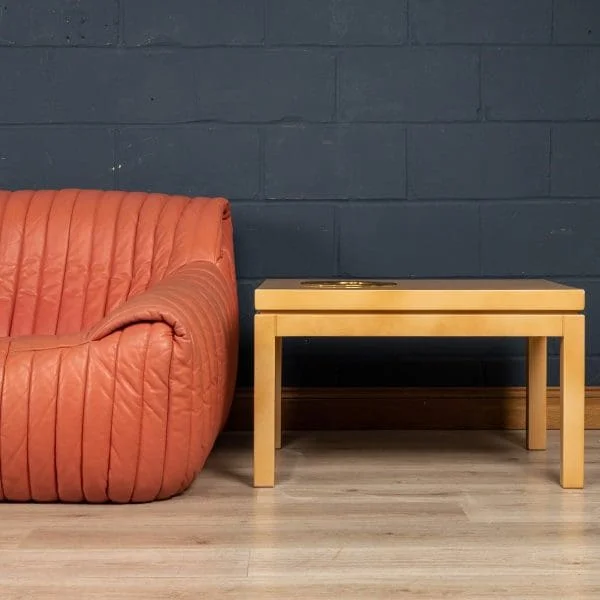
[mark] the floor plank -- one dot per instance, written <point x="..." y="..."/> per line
<point x="354" y="515"/>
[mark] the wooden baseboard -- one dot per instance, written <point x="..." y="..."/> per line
<point x="407" y="408"/>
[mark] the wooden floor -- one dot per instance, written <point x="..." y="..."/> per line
<point x="367" y="515"/>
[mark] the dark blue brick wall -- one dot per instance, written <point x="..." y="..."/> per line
<point x="409" y="239"/>
<point x="166" y="159"/>
<point x="576" y="22"/>
<point x="541" y="83"/>
<point x="576" y="160"/>
<point x="189" y="23"/>
<point x="335" y="161"/>
<point x="59" y="22"/>
<point x="483" y="160"/>
<point x="337" y="22"/>
<point x="409" y="84"/>
<point x="387" y="138"/>
<point x="49" y="156"/>
<point x="481" y="21"/>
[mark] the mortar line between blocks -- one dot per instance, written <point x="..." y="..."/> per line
<point x="482" y="116"/>
<point x="116" y="163"/>
<point x="336" y="240"/>
<point x="479" y="240"/>
<point x="265" y="6"/>
<point x="406" y="163"/>
<point x="550" y="161"/>
<point x="121" y="29"/>
<point x="262" y="159"/>
<point x="336" y="86"/>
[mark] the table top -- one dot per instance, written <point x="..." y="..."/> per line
<point x="476" y="295"/>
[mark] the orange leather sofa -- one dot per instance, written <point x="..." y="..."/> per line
<point x="118" y="342"/>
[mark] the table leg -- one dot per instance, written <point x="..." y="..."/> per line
<point x="278" y="342"/>
<point x="265" y="392"/>
<point x="572" y="401"/>
<point x="537" y="379"/>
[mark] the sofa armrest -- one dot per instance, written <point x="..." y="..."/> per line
<point x="199" y="304"/>
<point x="187" y="301"/>
<point x="115" y="409"/>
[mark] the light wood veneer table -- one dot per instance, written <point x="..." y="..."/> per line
<point x="533" y="309"/>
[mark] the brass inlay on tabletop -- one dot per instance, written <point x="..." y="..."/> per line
<point x="349" y="285"/>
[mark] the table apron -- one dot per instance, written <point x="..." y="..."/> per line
<point x="404" y="324"/>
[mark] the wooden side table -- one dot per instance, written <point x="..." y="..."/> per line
<point x="535" y="309"/>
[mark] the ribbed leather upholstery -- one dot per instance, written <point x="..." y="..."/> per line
<point x="119" y="340"/>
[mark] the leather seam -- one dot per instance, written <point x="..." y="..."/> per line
<point x="3" y="495"/>
<point x="135" y="245"/>
<point x="18" y="267"/>
<point x="56" y="400"/>
<point x="167" y="419"/>
<point x="142" y="413"/>
<point x="89" y="265"/>
<point x="112" y="416"/>
<point x="83" y="406"/>
<point x="28" y="468"/>
<point x="112" y="251"/>
<point x="42" y="265"/>
<point x="64" y="273"/>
